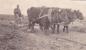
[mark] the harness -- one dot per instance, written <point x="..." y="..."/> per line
<point x="46" y="15"/>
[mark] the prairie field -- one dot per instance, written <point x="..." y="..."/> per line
<point x="18" y="38"/>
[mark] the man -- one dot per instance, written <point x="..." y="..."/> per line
<point x="18" y="15"/>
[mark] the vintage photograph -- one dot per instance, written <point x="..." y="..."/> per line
<point x="42" y="25"/>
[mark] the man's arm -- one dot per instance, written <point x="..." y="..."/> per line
<point x="19" y="11"/>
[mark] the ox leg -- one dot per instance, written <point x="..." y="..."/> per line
<point x="29" y="25"/>
<point x="32" y="27"/>
<point x="64" y="29"/>
<point x="53" y="28"/>
<point x="41" y="26"/>
<point x="58" y="28"/>
<point x="46" y="27"/>
<point x="67" y="30"/>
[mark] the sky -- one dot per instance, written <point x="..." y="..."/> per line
<point x="7" y="6"/>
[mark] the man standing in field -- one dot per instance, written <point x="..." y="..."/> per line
<point x="18" y="15"/>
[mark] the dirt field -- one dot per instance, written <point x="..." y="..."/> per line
<point x="15" y="38"/>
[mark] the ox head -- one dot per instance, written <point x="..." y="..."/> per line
<point x="79" y="15"/>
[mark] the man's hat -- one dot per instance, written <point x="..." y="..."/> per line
<point x="17" y="5"/>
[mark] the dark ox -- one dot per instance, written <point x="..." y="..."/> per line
<point x="64" y="17"/>
<point x="57" y="16"/>
<point x="35" y="17"/>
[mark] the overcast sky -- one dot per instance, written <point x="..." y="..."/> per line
<point x="7" y="6"/>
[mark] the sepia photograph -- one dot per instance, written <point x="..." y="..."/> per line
<point x="42" y="24"/>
